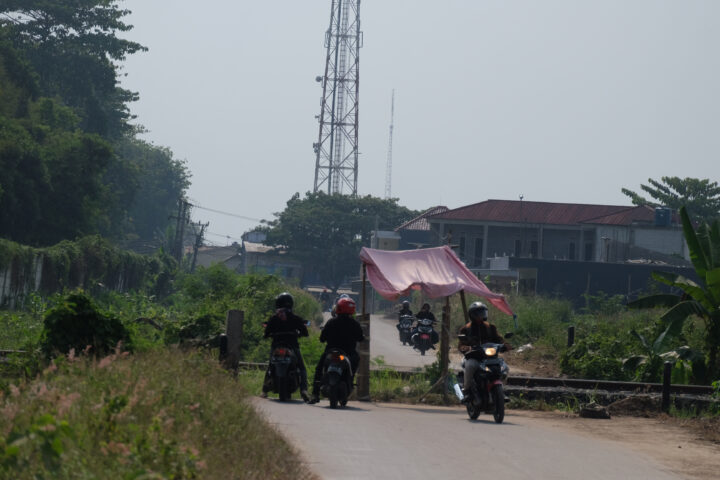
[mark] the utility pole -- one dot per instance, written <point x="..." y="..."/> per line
<point x="336" y="149"/>
<point x="182" y="218"/>
<point x="388" y="170"/>
<point x="198" y="242"/>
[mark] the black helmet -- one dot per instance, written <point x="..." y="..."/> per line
<point x="478" y="310"/>
<point x="406" y="304"/>
<point x="284" y="300"/>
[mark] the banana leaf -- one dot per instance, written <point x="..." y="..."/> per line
<point x="654" y="301"/>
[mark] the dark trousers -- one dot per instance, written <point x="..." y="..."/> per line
<point x="354" y="362"/>
<point x="302" y="371"/>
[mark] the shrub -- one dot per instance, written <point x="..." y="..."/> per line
<point x="76" y="323"/>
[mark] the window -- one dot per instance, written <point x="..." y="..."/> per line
<point x="534" y="249"/>
<point x="571" y="251"/>
<point x="479" y="252"/>
<point x="461" y="247"/>
<point x="518" y="248"/>
<point x="589" y="252"/>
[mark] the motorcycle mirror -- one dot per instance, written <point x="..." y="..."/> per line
<point x="509" y="335"/>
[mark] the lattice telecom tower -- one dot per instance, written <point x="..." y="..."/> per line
<point x="336" y="151"/>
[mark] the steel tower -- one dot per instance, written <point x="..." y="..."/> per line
<point x="388" y="170"/>
<point x="336" y="150"/>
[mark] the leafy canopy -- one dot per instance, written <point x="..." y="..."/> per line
<point x="326" y="232"/>
<point x="700" y="197"/>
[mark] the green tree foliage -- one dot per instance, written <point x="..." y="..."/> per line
<point x="74" y="48"/>
<point x="326" y="232"/>
<point x="700" y="197"/>
<point x="159" y="180"/>
<point x="59" y="181"/>
<point x="76" y="323"/>
<point x="702" y="300"/>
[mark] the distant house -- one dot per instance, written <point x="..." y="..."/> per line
<point x="227" y="255"/>
<point x="416" y="233"/>
<point x="260" y="258"/>
<point x="560" y="231"/>
<point x="563" y="249"/>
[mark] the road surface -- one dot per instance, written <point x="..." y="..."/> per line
<point x="385" y="342"/>
<point x="393" y="441"/>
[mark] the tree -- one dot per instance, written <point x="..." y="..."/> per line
<point x="326" y="232"/>
<point x="702" y="300"/>
<point x="700" y="197"/>
<point x="73" y="47"/>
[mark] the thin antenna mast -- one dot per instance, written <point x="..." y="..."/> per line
<point x="388" y="170"/>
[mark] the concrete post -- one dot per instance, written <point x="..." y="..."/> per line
<point x="445" y="347"/>
<point x="362" y="377"/>
<point x="233" y="330"/>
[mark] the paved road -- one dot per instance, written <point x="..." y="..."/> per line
<point x="391" y="441"/>
<point x="384" y="341"/>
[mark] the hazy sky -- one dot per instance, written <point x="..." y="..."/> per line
<point x="557" y="100"/>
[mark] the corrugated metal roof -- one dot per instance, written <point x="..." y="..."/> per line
<point x="514" y="211"/>
<point x="420" y="222"/>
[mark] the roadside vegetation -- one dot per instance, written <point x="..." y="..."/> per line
<point x="157" y="414"/>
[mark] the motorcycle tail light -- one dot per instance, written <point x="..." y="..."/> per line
<point x="280" y="352"/>
<point x="338" y="357"/>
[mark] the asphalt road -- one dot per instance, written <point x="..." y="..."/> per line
<point x="385" y="342"/>
<point x="391" y="441"/>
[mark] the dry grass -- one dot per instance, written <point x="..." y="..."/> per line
<point x="161" y="414"/>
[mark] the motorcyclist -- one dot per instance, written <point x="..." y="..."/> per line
<point x="343" y="332"/>
<point x="404" y="310"/>
<point x="284" y="327"/>
<point x="477" y="331"/>
<point x="426" y="313"/>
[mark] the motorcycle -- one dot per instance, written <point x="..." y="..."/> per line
<point x="283" y="375"/>
<point x="337" y="378"/>
<point x="486" y="394"/>
<point x="405" y="329"/>
<point x="423" y="340"/>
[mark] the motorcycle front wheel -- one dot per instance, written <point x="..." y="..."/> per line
<point x="283" y="393"/>
<point x="499" y="401"/>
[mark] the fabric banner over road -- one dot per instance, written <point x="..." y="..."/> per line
<point x="438" y="272"/>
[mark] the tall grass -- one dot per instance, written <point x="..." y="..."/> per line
<point x="160" y="414"/>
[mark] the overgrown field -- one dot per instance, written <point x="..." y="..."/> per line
<point x="608" y="339"/>
<point x="158" y="414"/>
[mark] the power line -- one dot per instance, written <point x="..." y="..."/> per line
<point x="236" y="215"/>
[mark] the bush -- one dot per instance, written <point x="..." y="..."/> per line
<point x="597" y="357"/>
<point x="76" y="323"/>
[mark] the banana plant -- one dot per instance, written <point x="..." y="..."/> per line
<point x="687" y="363"/>
<point x="700" y="299"/>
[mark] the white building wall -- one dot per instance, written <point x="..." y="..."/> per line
<point x="663" y="240"/>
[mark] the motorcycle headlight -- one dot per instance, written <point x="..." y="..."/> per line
<point x="491" y="352"/>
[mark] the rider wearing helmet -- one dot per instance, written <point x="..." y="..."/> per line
<point x="404" y="310"/>
<point x="477" y="331"/>
<point x="343" y="332"/>
<point x="284" y="328"/>
<point x="426" y="313"/>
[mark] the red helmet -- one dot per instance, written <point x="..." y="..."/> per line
<point x="345" y="306"/>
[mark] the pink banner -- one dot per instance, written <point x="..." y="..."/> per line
<point x="438" y="272"/>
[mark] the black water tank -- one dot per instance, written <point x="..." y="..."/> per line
<point x="663" y="217"/>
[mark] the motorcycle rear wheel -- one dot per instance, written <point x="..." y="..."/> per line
<point x="283" y="393"/>
<point x="499" y="400"/>
<point x="333" y="396"/>
<point x="472" y="410"/>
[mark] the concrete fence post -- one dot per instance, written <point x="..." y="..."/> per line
<point x="667" y="370"/>
<point x="362" y="377"/>
<point x="233" y="331"/>
<point x="571" y="336"/>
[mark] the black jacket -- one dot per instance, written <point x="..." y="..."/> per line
<point x="423" y="314"/>
<point x="342" y="332"/>
<point x="484" y="332"/>
<point x="286" y="331"/>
